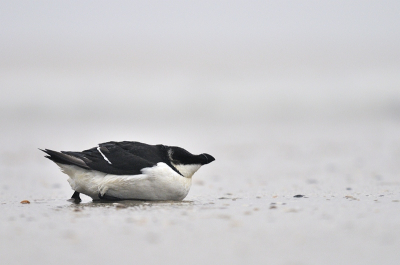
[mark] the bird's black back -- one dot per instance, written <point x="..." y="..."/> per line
<point x="126" y="158"/>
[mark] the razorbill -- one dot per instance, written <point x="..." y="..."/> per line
<point x="130" y="170"/>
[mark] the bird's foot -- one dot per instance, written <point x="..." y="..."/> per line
<point x="75" y="198"/>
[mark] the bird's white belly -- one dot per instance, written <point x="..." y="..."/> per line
<point x="156" y="183"/>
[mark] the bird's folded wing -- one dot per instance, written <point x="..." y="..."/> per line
<point x="113" y="160"/>
<point x="148" y="152"/>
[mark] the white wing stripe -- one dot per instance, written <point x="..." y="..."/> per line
<point x="105" y="158"/>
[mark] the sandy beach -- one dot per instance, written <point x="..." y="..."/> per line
<point x="242" y="209"/>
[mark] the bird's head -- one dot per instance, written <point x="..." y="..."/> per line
<point x="186" y="163"/>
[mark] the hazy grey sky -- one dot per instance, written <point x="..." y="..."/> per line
<point x="197" y="22"/>
<point x="231" y="56"/>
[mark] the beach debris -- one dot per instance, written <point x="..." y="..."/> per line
<point x="119" y="205"/>
<point x="298" y="196"/>
<point x="272" y="207"/>
<point x="25" y="202"/>
<point x="350" y="197"/>
<point x="227" y="198"/>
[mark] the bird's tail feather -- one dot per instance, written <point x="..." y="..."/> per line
<point x="63" y="158"/>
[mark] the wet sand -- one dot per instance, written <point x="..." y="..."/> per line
<point x="242" y="208"/>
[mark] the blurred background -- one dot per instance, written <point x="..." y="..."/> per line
<point x="210" y="76"/>
<point x="198" y="61"/>
<point x="291" y="97"/>
<point x="225" y="77"/>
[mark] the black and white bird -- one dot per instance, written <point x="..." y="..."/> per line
<point x="130" y="170"/>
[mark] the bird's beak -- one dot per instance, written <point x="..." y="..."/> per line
<point x="208" y="159"/>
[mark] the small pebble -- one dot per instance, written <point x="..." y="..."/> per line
<point x="350" y="197"/>
<point x="348" y="188"/>
<point x="298" y="196"/>
<point x="25" y="202"/>
<point x="119" y="205"/>
<point x="272" y="207"/>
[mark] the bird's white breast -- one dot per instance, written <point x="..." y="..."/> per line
<point x="187" y="170"/>
<point x="156" y="183"/>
